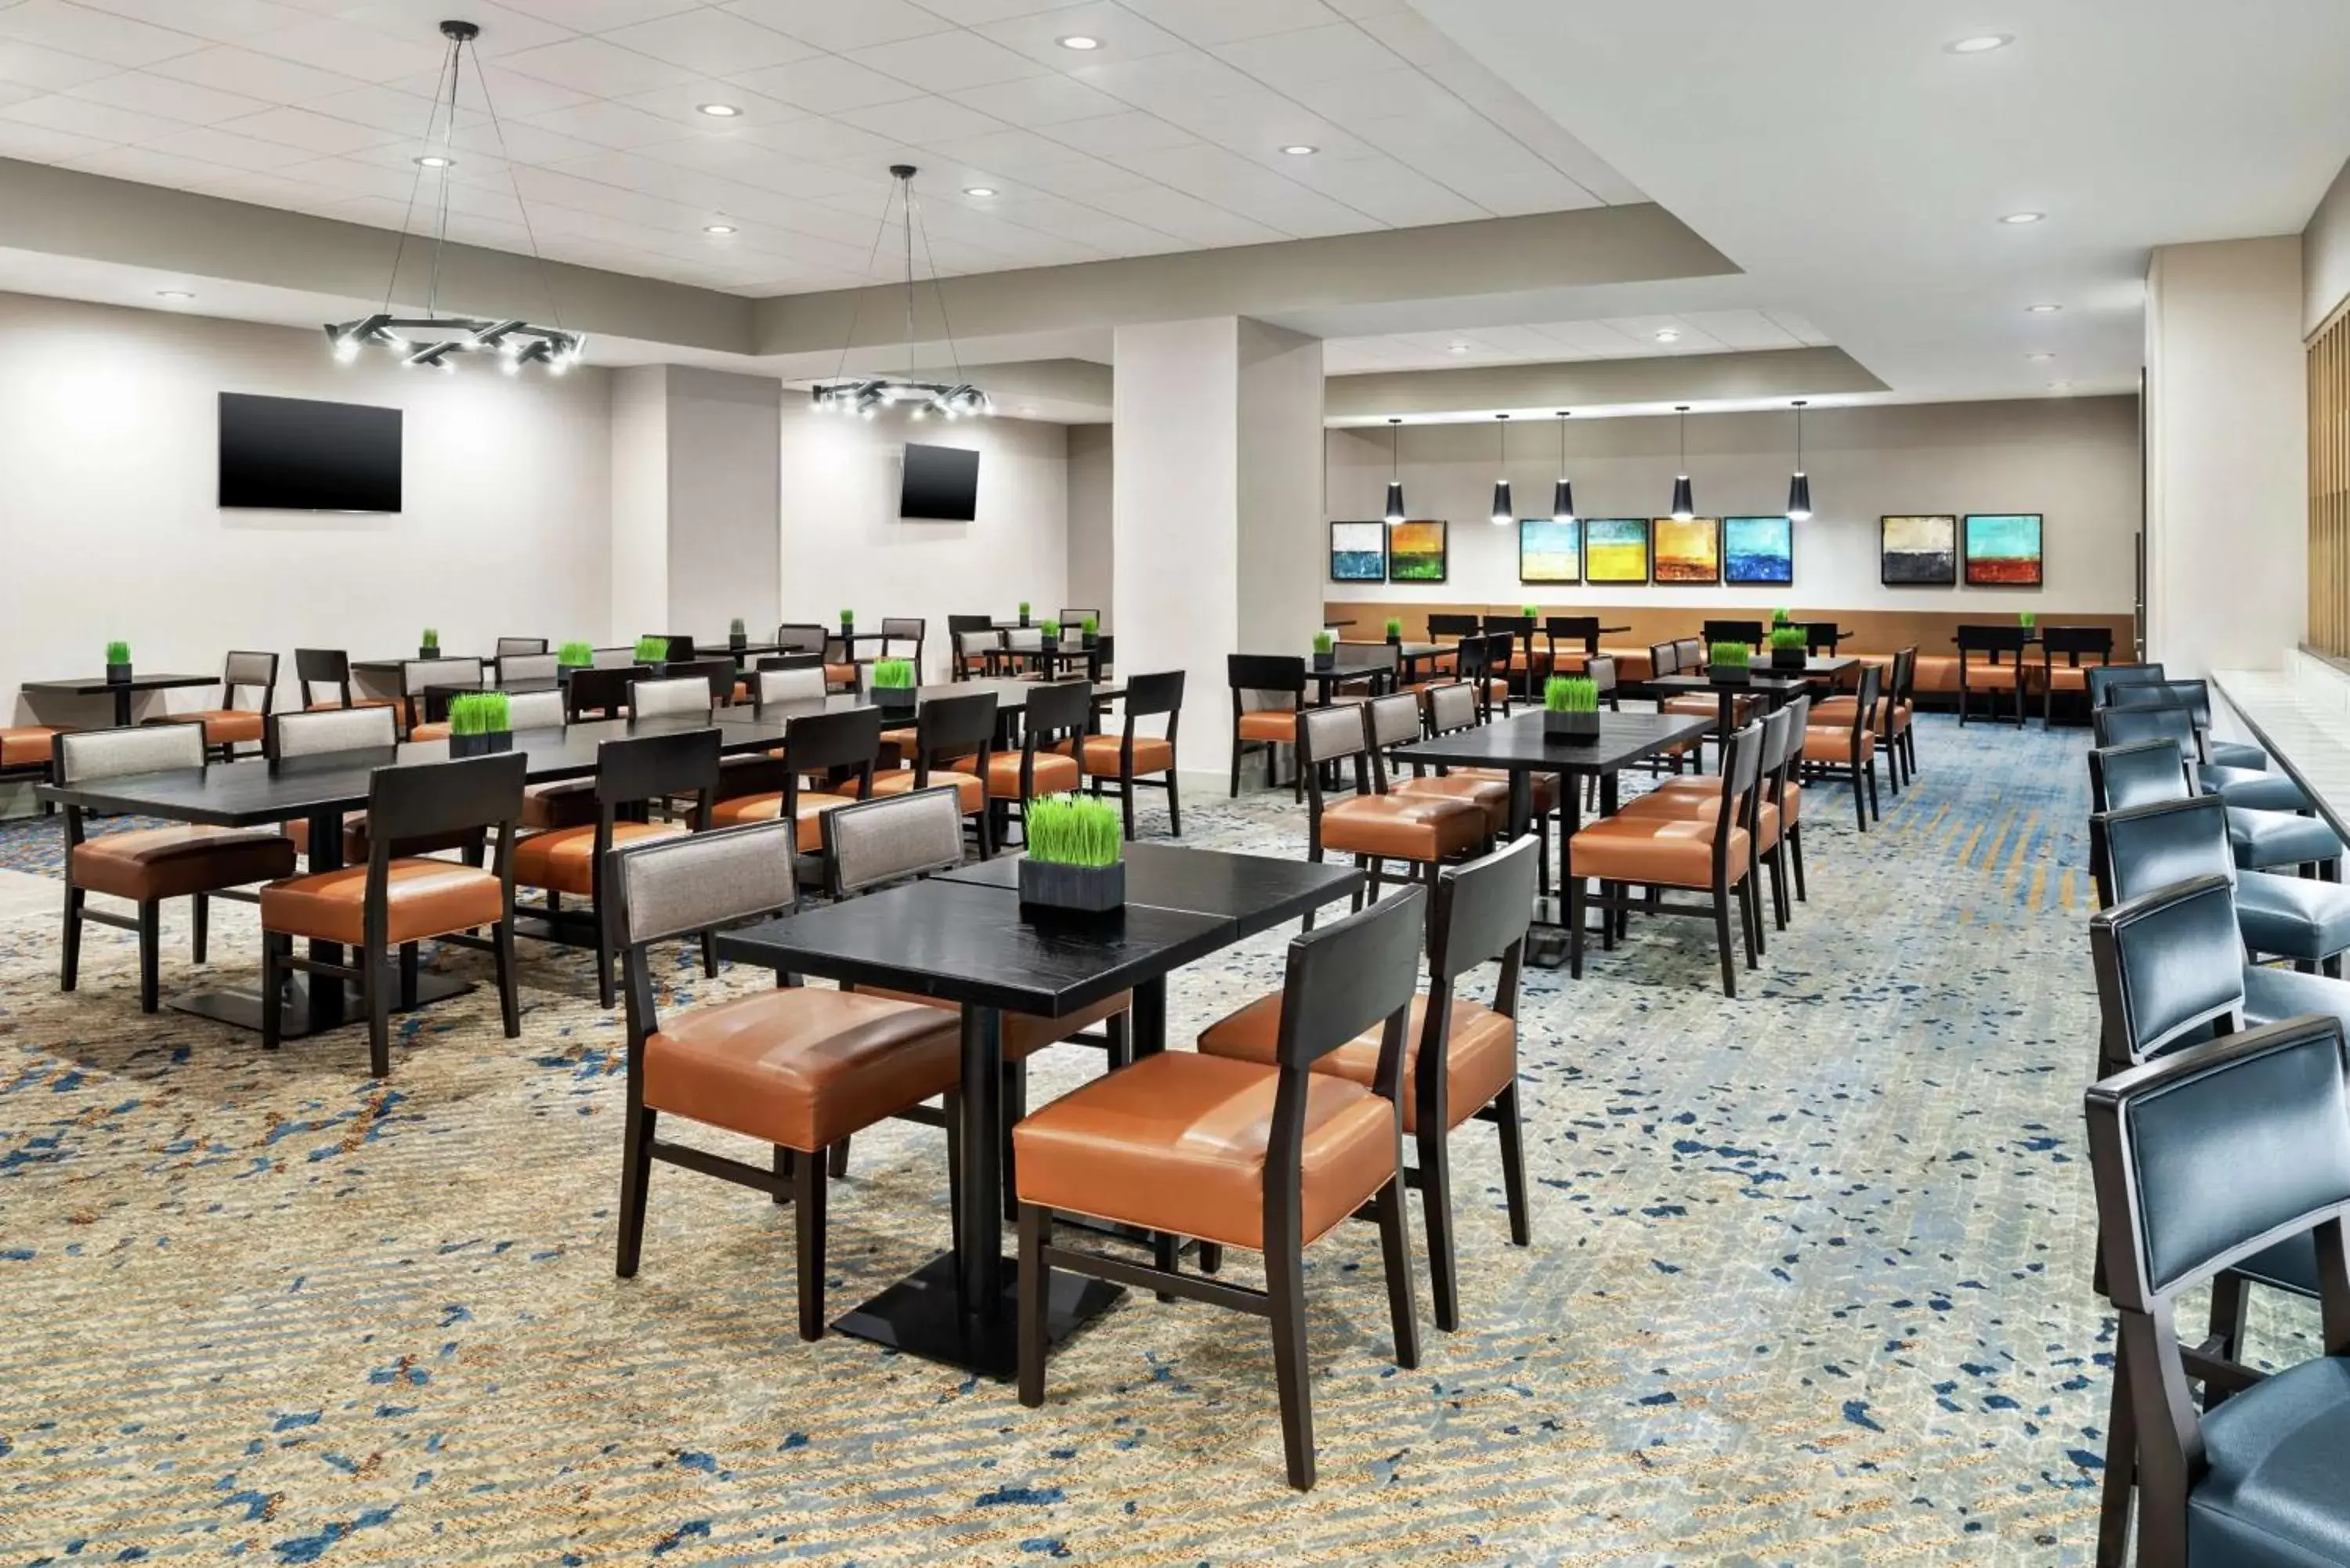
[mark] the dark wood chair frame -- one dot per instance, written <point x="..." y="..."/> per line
<point x="1338" y="983"/>
<point x="316" y="667"/>
<point x="602" y="693"/>
<point x="1521" y="629"/>
<point x="1265" y="674"/>
<point x="1576" y="629"/>
<point x="229" y="687"/>
<point x="1370" y="778"/>
<point x="1992" y="642"/>
<point x="962" y="666"/>
<point x="1861" y="770"/>
<point x="1148" y="697"/>
<point x="409" y="804"/>
<point x="2072" y="641"/>
<point x="522" y="645"/>
<point x="1749" y="632"/>
<point x="1055" y="710"/>
<point x="947" y="729"/>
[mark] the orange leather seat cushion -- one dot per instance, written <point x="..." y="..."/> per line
<point x="1982" y="677"/>
<point x="1053" y="774"/>
<point x="335" y="706"/>
<point x="1693" y="706"/>
<point x="801" y="1067"/>
<point x="26" y="747"/>
<point x="1662" y="850"/>
<point x="1709" y="792"/>
<point x="1025" y="1034"/>
<point x="970" y="794"/>
<point x="2067" y="678"/>
<point x="1544" y="792"/>
<point x="421" y="898"/>
<point x="223" y="726"/>
<point x="1177" y="1142"/>
<point x="769" y="807"/>
<point x="905" y="740"/>
<point x="1152" y="755"/>
<point x="172" y="861"/>
<point x="563" y="860"/>
<point x="434" y="731"/>
<point x="1407" y="827"/>
<point x="1481" y="1054"/>
<point x="1702" y="808"/>
<point x="1490" y="796"/>
<point x="1269" y="724"/>
<point x="840" y="674"/>
<point x="1830" y="744"/>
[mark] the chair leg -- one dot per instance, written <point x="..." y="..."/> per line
<point x="1859" y="800"/>
<point x="837" y="1157"/>
<point x="635" y="1174"/>
<point x="1174" y="807"/>
<point x="1035" y="1293"/>
<point x="1721" y="942"/>
<point x="709" y="954"/>
<point x="69" y="960"/>
<point x="1514" y="1165"/>
<point x="1777" y="861"/>
<point x="1284" y="1279"/>
<point x="1750" y="918"/>
<point x="807" y="1230"/>
<point x="509" y="1003"/>
<point x="379" y="1011"/>
<point x="201" y="922"/>
<point x="1395" y="1248"/>
<point x="1436" y="1206"/>
<point x="272" y="989"/>
<point x="2121" y="1469"/>
<point x="408" y="957"/>
<point x="1875" y="814"/>
<point x="603" y="964"/>
<point x="150" y="941"/>
<point x="1371" y="890"/>
<point x="1574" y="895"/>
<point x="784" y="1156"/>
<point x="1795" y="848"/>
<point x="1236" y="767"/>
<point x="1126" y="808"/>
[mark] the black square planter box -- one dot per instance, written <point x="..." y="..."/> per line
<point x="1073" y="890"/>
<point x="118" y="675"/>
<point x="1323" y="662"/>
<point x="1575" y="729"/>
<point x="892" y="699"/>
<point x="1742" y="675"/>
<point x="1790" y="658"/>
<point x="481" y="746"/>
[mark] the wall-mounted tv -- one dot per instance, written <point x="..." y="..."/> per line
<point x="295" y="454"/>
<point x="942" y="483"/>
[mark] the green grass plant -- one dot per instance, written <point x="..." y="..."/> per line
<point x="1075" y="830"/>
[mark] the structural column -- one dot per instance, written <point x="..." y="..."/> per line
<point x="1217" y="508"/>
<point x="696" y="502"/>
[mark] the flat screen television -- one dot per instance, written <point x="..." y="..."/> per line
<point x="294" y="454"/>
<point x="942" y="483"/>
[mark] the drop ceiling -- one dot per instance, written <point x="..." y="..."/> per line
<point x="1554" y="342"/>
<point x="1166" y="137"/>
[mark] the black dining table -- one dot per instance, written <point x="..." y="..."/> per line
<point x="121" y="691"/>
<point x="1776" y="686"/>
<point x="965" y="937"/>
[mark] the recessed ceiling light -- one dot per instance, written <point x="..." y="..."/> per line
<point x="717" y="228"/>
<point x="979" y="190"/>
<point x="1982" y="43"/>
<point x="2043" y="310"/>
<point x="1080" y="41"/>
<point x="2059" y="385"/>
<point x="434" y="160"/>
<point x="1299" y="150"/>
<point x="174" y="294"/>
<point x="1027" y="409"/>
<point x="2040" y="359"/>
<point x="1669" y="335"/>
<point x="719" y="110"/>
<point x="1458" y="349"/>
<point x="2024" y="217"/>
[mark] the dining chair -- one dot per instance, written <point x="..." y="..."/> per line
<point x="2148" y="771"/>
<point x="1442" y="624"/>
<point x="1713" y="856"/>
<point x="509" y="647"/>
<point x="2103" y="678"/>
<point x="1055" y="710"/>
<point x="331" y="667"/>
<point x="228" y="726"/>
<point x="782" y="681"/>
<point x="1891" y="724"/>
<point x="1375" y="825"/>
<point x="150" y="865"/>
<point x="1769" y="813"/>
<point x="1268" y="693"/>
<point x="1520" y="668"/>
<point x="1820" y="637"/>
<point x="1074" y="620"/>
<point x="1240" y="1154"/>
<point x="417" y="674"/>
<point x="630" y="774"/>
<point x="1845" y="750"/>
<point x="1460" y="1055"/>
<point x="1484" y="661"/>
<point x="947" y="731"/>
<point x="1131" y="760"/>
<point x="602" y="693"/>
<point x="838" y="749"/>
<point x="903" y="637"/>
<point x="1402" y="719"/>
<point x="2152" y="846"/>
<point x="2072" y="644"/>
<point x="677" y="646"/>
<point x="801" y="637"/>
<point x="613" y="658"/>
<point x="809" y="665"/>
<point x="1581" y="632"/>
<point x="2252" y="1478"/>
<point x="974" y="642"/>
<point x="2196" y="695"/>
<point x="795" y="1067"/>
<point x="322" y="732"/>
<point x="2120" y="721"/>
<point x="28" y="751"/>
<point x="671" y="697"/>
<point x="1749" y="632"/>
<point x="1991" y="660"/>
<point x="383" y="907"/>
<point x="529" y="666"/>
<point x="1022" y="653"/>
<point x="1452" y="710"/>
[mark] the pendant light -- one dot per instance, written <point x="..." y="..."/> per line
<point x="863" y="396"/>
<point x="1395" y="471"/>
<point x="1562" y="494"/>
<point x="1503" y="510"/>
<point x="1684" y="501"/>
<point x="1799" y="488"/>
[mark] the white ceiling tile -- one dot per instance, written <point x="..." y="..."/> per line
<point x="314" y="133"/>
<point x="352" y="178"/>
<point x="979" y="13"/>
<point x="815" y="139"/>
<point x="1074" y="220"/>
<point x="213" y="145"/>
<point x="943" y="62"/>
<point x="380" y="109"/>
<point x="1123" y="36"/>
<point x="517" y="142"/>
<point x="1161" y="81"/>
<point x="152" y="94"/>
<point x="1510" y="193"/>
<point x="510" y="93"/>
<point x="1375" y="96"/>
<point x="218" y="21"/>
<point x="470" y="168"/>
<point x="603" y="15"/>
<point x="16" y="92"/>
<point x="30" y="65"/>
<point x="826" y="85"/>
<point x="1412" y="37"/>
<point x="594" y="66"/>
<point x="1048" y="100"/>
<point x="830" y="25"/>
<point x="1171" y="212"/>
<point x="1229" y="21"/>
<point x="1741" y="329"/>
<point x="348" y="50"/>
<point x="39" y="144"/>
<point x="505" y="31"/>
<point x="1084" y="179"/>
<point x="95" y="35"/>
<point x="714" y="43"/>
<point x="1799" y="327"/>
<point x="148" y="167"/>
<point x="234" y="69"/>
<point x="1309" y="55"/>
<point x="607" y="124"/>
<point x="683" y="104"/>
<point x="921" y="120"/>
<point x="101" y="121"/>
<point x="1013" y="153"/>
<point x="1131" y="130"/>
<point x="1383" y="189"/>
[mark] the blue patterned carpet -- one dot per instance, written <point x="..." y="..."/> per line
<point x="1810" y="1279"/>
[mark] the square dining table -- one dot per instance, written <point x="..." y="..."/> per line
<point x="965" y="937"/>
<point x="121" y="691"/>
<point x="1776" y="686"/>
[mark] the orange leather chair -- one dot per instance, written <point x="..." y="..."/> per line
<point x="947" y="731"/>
<point x="331" y="667"/>
<point x="1131" y="760"/>
<point x="1772" y="822"/>
<point x="1892" y="724"/>
<point x="1374" y="824"/>
<point x="839" y="748"/>
<point x="1846" y="748"/>
<point x="228" y="726"/>
<point x="26" y="752"/>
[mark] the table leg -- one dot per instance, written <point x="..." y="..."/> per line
<point x="122" y="707"/>
<point x="1147" y="1025"/>
<point x="979" y="1266"/>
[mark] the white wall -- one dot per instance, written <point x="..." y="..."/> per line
<point x="1092" y="549"/>
<point x="2326" y="255"/>
<point x="108" y="526"/>
<point x="2227" y="455"/>
<point x="844" y="544"/>
<point x="639" y="504"/>
<point x="2074" y="460"/>
<point x="724" y="549"/>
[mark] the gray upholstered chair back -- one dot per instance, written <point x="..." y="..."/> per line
<point x="800" y="637"/>
<point x="878" y="842"/>
<point x="534" y="710"/>
<point x="529" y="666"/>
<point x="336" y="730"/>
<point x="508" y="647"/>
<point x="258" y="670"/>
<point x="805" y="685"/>
<point x="973" y="644"/>
<point x="1452" y="706"/>
<point x="1601" y="669"/>
<point x="1024" y="639"/>
<point x="1326" y="734"/>
<point x="687" y="694"/>
<point x="1394" y="720"/>
<point x="675" y="886"/>
<point x="1799" y="718"/>
<point x="416" y="674"/>
<point x="1375" y="656"/>
<point x="613" y="658"/>
<point x="88" y="755"/>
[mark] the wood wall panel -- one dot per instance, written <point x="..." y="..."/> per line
<point x="1874" y="631"/>
<point x="2329" y="488"/>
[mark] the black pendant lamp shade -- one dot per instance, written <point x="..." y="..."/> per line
<point x="1395" y="471"/>
<point x="1561" y="493"/>
<point x="1799" y="488"/>
<point x="1503" y="509"/>
<point x="1684" y="498"/>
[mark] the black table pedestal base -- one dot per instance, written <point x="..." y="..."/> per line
<point x="242" y="1009"/>
<point x="922" y="1315"/>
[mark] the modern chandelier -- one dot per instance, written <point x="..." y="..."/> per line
<point x="865" y="396"/>
<point x="433" y="338"/>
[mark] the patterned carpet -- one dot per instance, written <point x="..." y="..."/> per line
<point x="1809" y="1282"/>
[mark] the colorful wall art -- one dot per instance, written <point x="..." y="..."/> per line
<point x="1616" y="549"/>
<point x="1359" y="552"/>
<point x="1689" y="550"/>
<point x="2003" y="550"/>
<point x="1416" y="552"/>
<point x="1758" y="552"/>
<point x="1917" y="551"/>
<point x="1549" y="550"/>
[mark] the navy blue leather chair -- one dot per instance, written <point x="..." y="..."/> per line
<point x="2103" y="678"/>
<point x="2253" y="1480"/>
<point x="2146" y="770"/>
<point x="2196" y="697"/>
<point x="2150" y="846"/>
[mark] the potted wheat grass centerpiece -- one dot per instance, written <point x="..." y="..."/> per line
<point x="1789" y="647"/>
<point x="1395" y="631"/>
<point x="1571" y="709"/>
<point x="480" y="722"/>
<point x="574" y="656"/>
<point x="1729" y="664"/>
<point x="1090" y="632"/>
<point x="1326" y="651"/>
<point x="429" y="645"/>
<point x="848" y="629"/>
<point x="1049" y="633"/>
<point x="891" y="685"/>
<point x="1023" y="613"/>
<point x="1076" y="856"/>
<point x="652" y="651"/>
<point x="2026" y="620"/>
<point x="737" y="638"/>
<point x="118" y="663"/>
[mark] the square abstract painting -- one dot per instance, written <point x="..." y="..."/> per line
<point x="1549" y="550"/>
<point x="1758" y="552"/>
<point x="1416" y="552"/>
<point x="1917" y="551"/>
<point x="1359" y="552"/>
<point x="1616" y="549"/>
<point x="2003" y="550"/>
<point x="1689" y="550"/>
